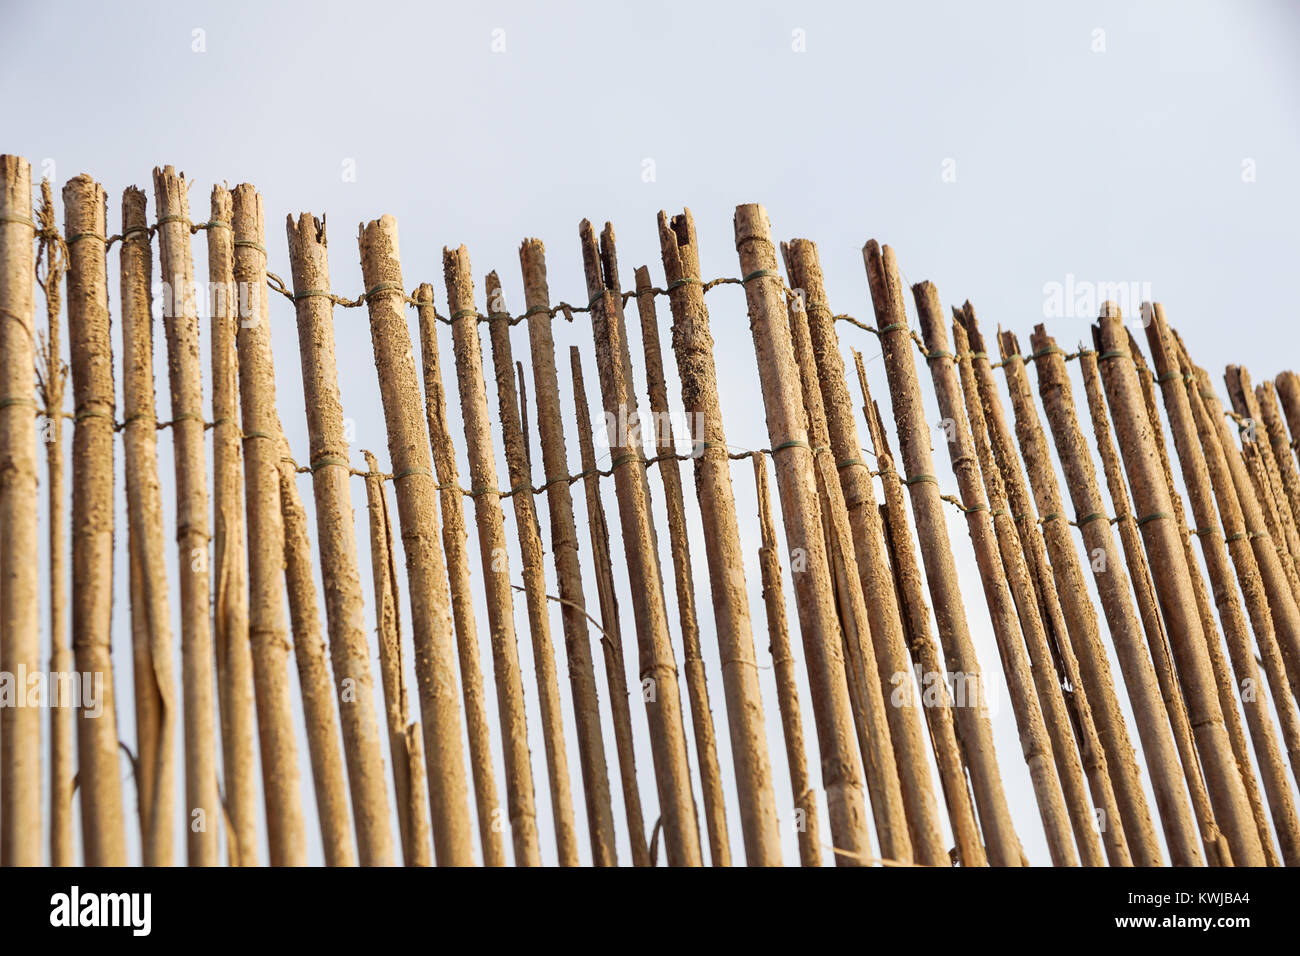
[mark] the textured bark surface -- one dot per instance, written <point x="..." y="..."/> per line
<point x="975" y="732"/>
<point x="1007" y="586"/>
<point x="1196" y="480"/>
<point x="103" y="832"/>
<point x="155" y="690"/>
<point x="426" y="574"/>
<point x="758" y="813"/>
<point x="336" y="540"/>
<point x="230" y="565"/>
<point x="612" y="639"/>
<point x="462" y="602"/>
<point x="1215" y="844"/>
<point x="20" y="606"/>
<point x="887" y="640"/>
<point x="264" y="620"/>
<point x="937" y="701"/>
<point x="1280" y="442"/>
<point x="314" y="674"/>
<point x="787" y="684"/>
<point x="787" y="428"/>
<point x="875" y="741"/>
<point x="408" y="764"/>
<point x="1154" y="510"/>
<point x="582" y="674"/>
<point x="1122" y="622"/>
<point x="657" y="663"/>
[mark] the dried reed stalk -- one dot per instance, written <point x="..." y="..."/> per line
<point x="103" y="831"/>
<point x="155" y="689"/>
<point x="658" y="666"/>
<point x="231" y="584"/>
<point x="20" y="606"/>
<point x="582" y="674"/>
<point x="265" y="623"/>
<point x="612" y="637"/>
<point x="414" y="487"/>
<point x="973" y="727"/>
<point x="408" y="762"/>
<point x="336" y="539"/>
<point x="1266" y="396"/>
<point x="1172" y="578"/>
<point x="1113" y="589"/>
<point x="887" y="640"/>
<point x="314" y="674"/>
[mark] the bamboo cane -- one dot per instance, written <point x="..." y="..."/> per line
<point x="1196" y="480"/>
<point x="462" y="612"/>
<point x="52" y="379"/>
<point x="1001" y="843"/>
<point x="20" y="622"/>
<point x="889" y="649"/>
<point x="492" y="549"/>
<point x="801" y="512"/>
<point x="1266" y="396"/>
<point x="103" y="830"/>
<point x="350" y="656"/>
<point x="1134" y="825"/>
<point x="263" y="617"/>
<point x="1288" y="394"/>
<point x="1154" y="508"/>
<point x="1249" y="576"/>
<point x="1113" y="589"/>
<point x="787" y="686"/>
<point x="657" y="664"/>
<point x="409" y="452"/>
<point x="236" y="683"/>
<point x="1209" y="624"/>
<point x="408" y="772"/>
<point x="582" y="674"/>
<point x="692" y="344"/>
<point x="155" y="689"/>
<point x="936" y="699"/>
<point x="470" y="375"/>
<point x="1212" y="838"/>
<point x="313" y="673"/>
<point x="760" y="818"/>
<point x="875" y="742"/>
<point x="612" y="637"/>
<point x="1246" y="403"/>
<point x="1049" y="753"/>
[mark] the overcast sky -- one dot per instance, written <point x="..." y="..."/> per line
<point x="999" y="148"/>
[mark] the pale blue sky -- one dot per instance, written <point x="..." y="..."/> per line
<point x="1116" y="165"/>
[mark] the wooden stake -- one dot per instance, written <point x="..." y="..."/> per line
<point x="797" y="486"/>
<point x="408" y="766"/>
<point x="462" y="612"/>
<point x="1288" y="394"/>
<point x="1112" y="588"/>
<point x="1134" y="826"/>
<point x="658" y="667"/>
<point x="612" y="637"/>
<point x="408" y="450"/>
<point x="888" y="645"/>
<point x="345" y="616"/>
<point x="20" y="620"/>
<point x="1006" y="586"/>
<point x="1216" y="845"/>
<point x="1196" y="479"/>
<point x="103" y="833"/>
<point x="1154" y="517"/>
<point x="932" y="532"/>
<point x="265" y="623"/>
<point x="231" y="583"/>
<point x="314" y="674"/>
<point x="936" y="701"/>
<point x="1283" y="460"/>
<point x="155" y="690"/>
<point x="582" y="674"/>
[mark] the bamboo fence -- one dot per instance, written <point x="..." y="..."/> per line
<point x="1197" y="607"/>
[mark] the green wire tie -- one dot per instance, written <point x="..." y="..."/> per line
<point x="624" y="459"/>
<point x="1201" y="531"/>
<point x="760" y="273"/>
<point x="1154" y="516"/>
<point x="681" y="282"/>
<point x="795" y="443"/>
<point x="384" y="287"/>
<point x="916" y="479"/>
<point x="1045" y="351"/>
<point x="252" y="245"/>
<point x="85" y="235"/>
<point x="1113" y="353"/>
<point x="166" y="219"/>
<point x="841" y="465"/>
<point x="10" y="402"/>
<point x="536" y="310"/>
<point x="938" y="353"/>
<point x="189" y="416"/>
<point x="1166" y="377"/>
<point x="891" y="327"/>
<point x="500" y="315"/>
<point x="259" y="435"/>
<point x="21" y="220"/>
<point x="1088" y="518"/>
<point x="982" y="506"/>
<point x="413" y="470"/>
<point x="214" y="222"/>
<point x="459" y="313"/>
<point x="92" y="413"/>
<point x="1050" y="516"/>
<point x="328" y="460"/>
<point x="308" y="293"/>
